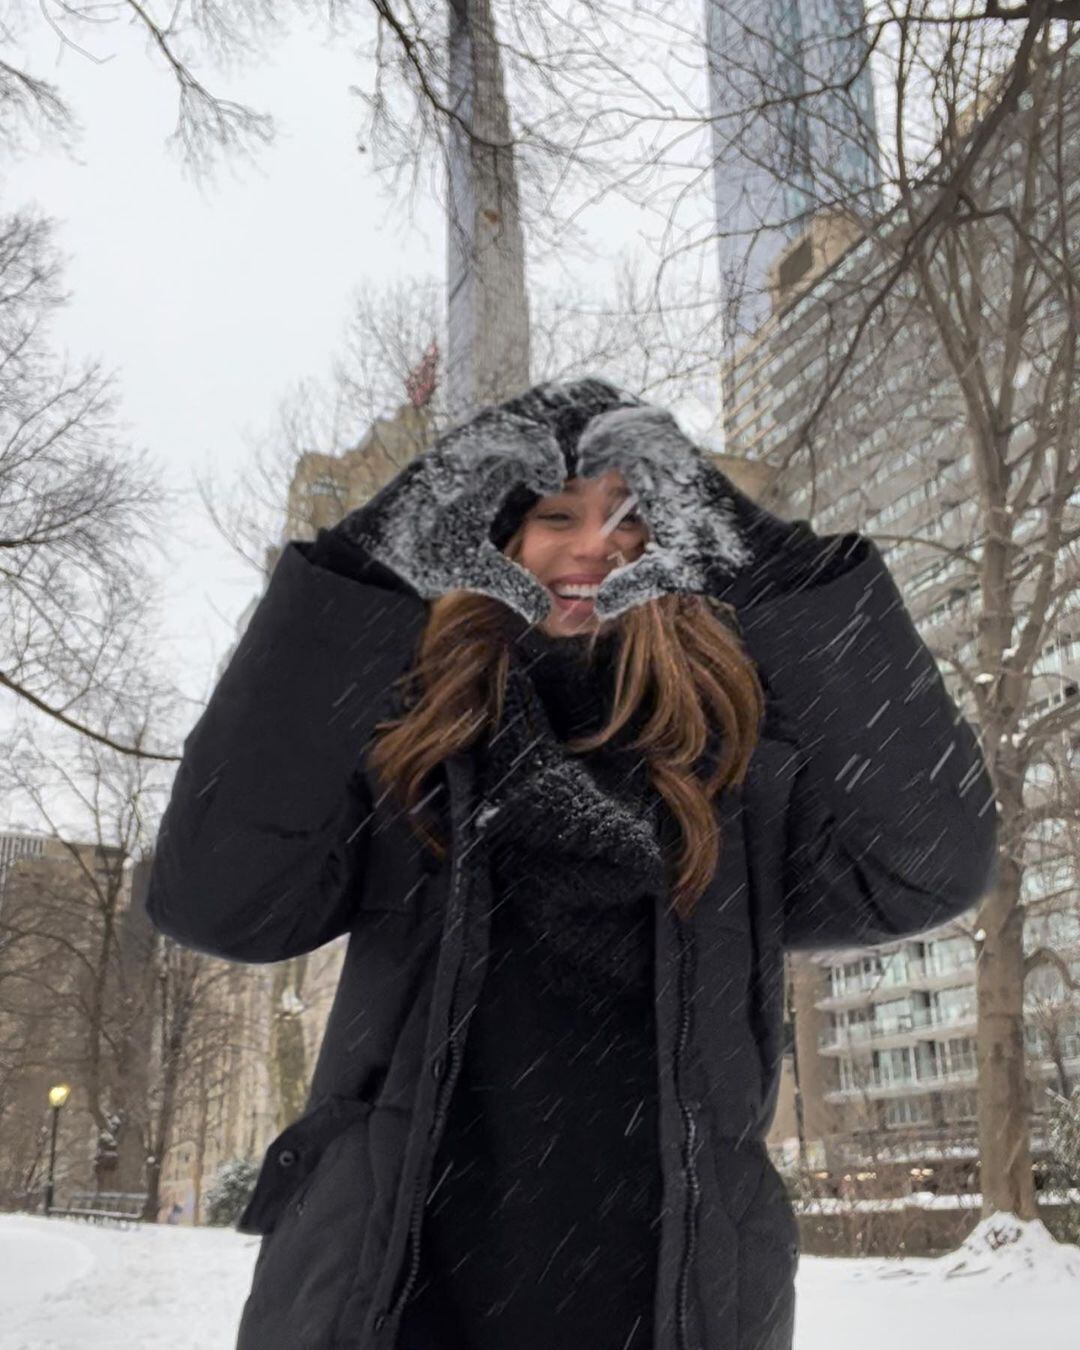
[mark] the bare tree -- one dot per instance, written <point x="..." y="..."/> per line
<point x="207" y="123"/>
<point x="604" y="100"/>
<point x="959" y="313"/>
<point x="998" y="280"/>
<point x="77" y="956"/>
<point x="195" y="1027"/>
<point x="75" y="506"/>
<point x="139" y="1026"/>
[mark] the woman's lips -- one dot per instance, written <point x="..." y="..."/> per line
<point x="576" y="605"/>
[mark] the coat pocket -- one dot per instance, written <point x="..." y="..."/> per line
<point x="291" y="1160"/>
<point x="771" y="1213"/>
<point x="768" y="1258"/>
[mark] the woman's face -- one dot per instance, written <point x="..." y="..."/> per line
<point x="572" y="539"/>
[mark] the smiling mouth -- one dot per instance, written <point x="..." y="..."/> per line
<point x="572" y="604"/>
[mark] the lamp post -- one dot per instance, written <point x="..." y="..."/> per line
<point x="57" y="1097"/>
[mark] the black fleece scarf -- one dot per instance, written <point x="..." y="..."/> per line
<point x="574" y="841"/>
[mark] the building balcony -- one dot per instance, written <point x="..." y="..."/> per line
<point x="903" y="1144"/>
<point x="860" y="989"/>
<point x="932" y="974"/>
<point x="942" y="974"/>
<point x="897" y="1031"/>
<point x="877" y="1088"/>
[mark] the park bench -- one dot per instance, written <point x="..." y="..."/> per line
<point x="102" y="1206"/>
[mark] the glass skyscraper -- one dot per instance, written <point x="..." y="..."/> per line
<point x="794" y="132"/>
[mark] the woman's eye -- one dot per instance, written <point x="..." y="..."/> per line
<point x="633" y="518"/>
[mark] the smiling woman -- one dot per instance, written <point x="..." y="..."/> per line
<point x="570" y="837"/>
<point x="571" y="540"/>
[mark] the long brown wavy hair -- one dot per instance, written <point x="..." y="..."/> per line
<point x="676" y="660"/>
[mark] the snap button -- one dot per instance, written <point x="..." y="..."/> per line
<point x="379" y="1322"/>
<point x="438" y="1067"/>
<point x="287" y="1157"/>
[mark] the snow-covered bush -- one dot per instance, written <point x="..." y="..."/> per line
<point x="1064" y="1132"/>
<point x="1063" y="1136"/>
<point x="230" y="1191"/>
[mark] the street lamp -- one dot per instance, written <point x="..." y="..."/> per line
<point x="58" y="1095"/>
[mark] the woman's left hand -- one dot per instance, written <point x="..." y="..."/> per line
<point x="698" y="535"/>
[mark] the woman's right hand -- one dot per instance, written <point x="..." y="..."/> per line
<point x="431" y="523"/>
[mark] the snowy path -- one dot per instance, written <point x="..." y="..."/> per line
<point x="70" y="1286"/>
<point x="66" y="1285"/>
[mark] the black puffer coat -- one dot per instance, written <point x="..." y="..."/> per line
<point x="867" y="814"/>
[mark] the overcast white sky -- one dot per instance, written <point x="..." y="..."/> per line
<point x="209" y="300"/>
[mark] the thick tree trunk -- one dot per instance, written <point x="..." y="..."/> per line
<point x="1004" y="1097"/>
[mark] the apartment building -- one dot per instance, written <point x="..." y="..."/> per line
<point x="885" y="1039"/>
<point x="57" y="897"/>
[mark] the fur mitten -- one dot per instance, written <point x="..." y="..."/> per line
<point x="707" y="537"/>
<point x="431" y="523"/>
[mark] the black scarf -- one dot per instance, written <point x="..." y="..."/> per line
<point x="574" y="841"/>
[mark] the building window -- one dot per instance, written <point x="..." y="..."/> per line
<point x="1034" y="1040"/>
<point x="902" y="1111"/>
<point x="894" y="1066"/>
<point x="896" y="969"/>
<point x="324" y="487"/>
<point x="953" y="1005"/>
<point x="959" y="1105"/>
<point x="796" y="264"/>
<point x="895" y="1015"/>
<point x="960" y="1054"/>
<point x="951" y="954"/>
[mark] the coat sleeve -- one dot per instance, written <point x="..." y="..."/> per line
<point x="892" y="819"/>
<point x="262" y="844"/>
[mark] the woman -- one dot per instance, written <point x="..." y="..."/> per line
<point x="570" y="837"/>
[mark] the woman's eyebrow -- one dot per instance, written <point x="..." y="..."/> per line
<point x="613" y="491"/>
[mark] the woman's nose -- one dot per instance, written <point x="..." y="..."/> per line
<point x="593" y="542"/>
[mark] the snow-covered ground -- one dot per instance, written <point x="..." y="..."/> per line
<point x="70" y="1286"/>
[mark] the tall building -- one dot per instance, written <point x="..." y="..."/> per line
<point x="14" y="844"/>
<point x="794" y="130"/>
<point x="60" y="900"/>
<point x="885" y="1039"/>
<point x="487" y="294"/>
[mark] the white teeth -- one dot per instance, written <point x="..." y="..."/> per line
<point x="575" y="591"/>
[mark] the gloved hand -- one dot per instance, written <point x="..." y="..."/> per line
<point x="707" y="537"/>
<point x="431" y="523"/>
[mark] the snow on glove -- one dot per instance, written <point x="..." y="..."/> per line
<point x="430" y="524"/>
<point x="696" y="534"/>
<point x="708" y="537"/>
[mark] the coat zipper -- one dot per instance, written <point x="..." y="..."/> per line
<point x="416" y="1221"/>
<point x="690" y="1135"/>
<point x="447" y="1087"/>
<point x="441" y="1108"/>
